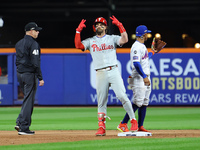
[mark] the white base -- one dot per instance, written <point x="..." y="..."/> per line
<point x="138" y="133"/>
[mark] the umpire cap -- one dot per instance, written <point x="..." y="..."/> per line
<point x="32" y="26"/>
<point x="142" y="29"/>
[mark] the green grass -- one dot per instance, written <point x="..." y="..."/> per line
<point x="68" y="118"/>
<point x="116" y="144"/>
<point x="82" y="118"/>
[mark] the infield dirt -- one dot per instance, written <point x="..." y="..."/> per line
<point x="50" y="136"/>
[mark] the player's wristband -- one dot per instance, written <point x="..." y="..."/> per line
<point x="144" y="76"/>
<point x="121" y="28"/>
<point x="152" y="51"/>
<point x="77" y="32"/>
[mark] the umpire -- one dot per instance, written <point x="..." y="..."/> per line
<point x="28" y="71"/>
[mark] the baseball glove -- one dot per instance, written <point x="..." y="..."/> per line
<point x="157" y="45"/>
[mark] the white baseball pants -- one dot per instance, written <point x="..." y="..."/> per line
<point x="105" y="79"/>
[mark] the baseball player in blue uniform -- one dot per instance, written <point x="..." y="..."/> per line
<point x="102" y="48"/>
<point x="139" y="80"/>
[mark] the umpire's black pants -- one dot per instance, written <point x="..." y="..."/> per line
<point x="28" y="84"/>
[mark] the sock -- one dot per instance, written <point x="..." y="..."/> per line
<point x="141" y="115"/>
<point x="135" y="107"/>
<point x="126" y="117"/>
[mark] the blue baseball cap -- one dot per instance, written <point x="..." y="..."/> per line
<point x="142" y="29"/>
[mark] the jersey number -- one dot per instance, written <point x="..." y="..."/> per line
<point x="35" y="52"/>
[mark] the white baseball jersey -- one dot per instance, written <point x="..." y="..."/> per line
<point x="103" y="50"/>
<point x="139" y="53"/>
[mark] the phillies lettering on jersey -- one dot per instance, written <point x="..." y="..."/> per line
<point x="102" y="50"/>
<point x="103" y="47"/>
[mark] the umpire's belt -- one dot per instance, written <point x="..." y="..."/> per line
<point x="107" y="68"/>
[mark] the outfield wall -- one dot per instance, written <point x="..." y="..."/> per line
<point x="70" y="78"/>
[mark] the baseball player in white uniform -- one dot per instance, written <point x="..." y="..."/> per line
<point x="102" y="48"/>
<point x="139" y="80"/>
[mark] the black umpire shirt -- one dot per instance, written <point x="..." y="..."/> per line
<point x="28" y="56"/>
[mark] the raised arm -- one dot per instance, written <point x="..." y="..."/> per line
<point x="124" y="35"/>
<point x="77" y="39"/>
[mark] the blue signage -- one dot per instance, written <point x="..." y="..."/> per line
<point x="174" y="79"/>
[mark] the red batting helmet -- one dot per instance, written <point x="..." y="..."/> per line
<point x="100" y="19"/>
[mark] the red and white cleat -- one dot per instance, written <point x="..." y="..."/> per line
<point x="123" y="127"/>
<point x="134" y="125"/>
<point x="142" y="129"/>
<point x="101" y="132"/>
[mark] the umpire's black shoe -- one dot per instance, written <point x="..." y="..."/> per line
<point x="17" y="128"/>
<point x="27" y="132"/>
